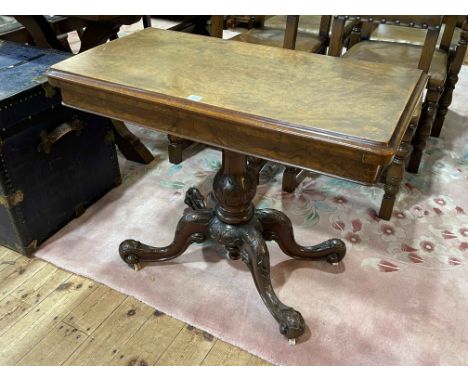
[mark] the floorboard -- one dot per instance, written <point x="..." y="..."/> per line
<point x="49" y="316"/>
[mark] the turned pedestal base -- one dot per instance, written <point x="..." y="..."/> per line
<point x="243" y="230"/>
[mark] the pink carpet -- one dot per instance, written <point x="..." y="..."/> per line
<point x="399" y="298"/>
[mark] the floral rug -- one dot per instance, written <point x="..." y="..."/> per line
<point x="399" y="297"/>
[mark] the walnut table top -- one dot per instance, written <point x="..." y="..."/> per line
<point x="301" y="109"/>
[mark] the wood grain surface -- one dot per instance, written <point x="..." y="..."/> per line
<point x="340" y="117"/>
<point x="49" y="316"/>
<point x="304" y="91"/>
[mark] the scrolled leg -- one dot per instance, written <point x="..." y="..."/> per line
<point x="254" y="253"/>
<point x="277" y="226"/>
<point x="192" y="228"/>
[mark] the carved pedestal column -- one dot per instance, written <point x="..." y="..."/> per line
<point x="243" y="231"/>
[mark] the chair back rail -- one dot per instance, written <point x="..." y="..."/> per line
<point x="431" y="23"/>
<point x="422" y="22"/>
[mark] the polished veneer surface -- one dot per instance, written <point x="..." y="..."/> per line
<point x="312" y="98"/>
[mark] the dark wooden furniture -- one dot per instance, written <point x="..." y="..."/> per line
<point x="283" y="31"/>
<point x="198" y="24"/>
<point x="248" y="21"/>
<point x="54" y="161"/>
<point x="426" y="57"/>
<point x="327" y="130"/>
<point x="455" y="62"/>
<point x="450" y="30"/>
<point x="287" y="34"/>
<point x="315" y="25"/>
<point x="452" y="41"/>
<point x="93" y="30"/>
<point x="12" y="30"/>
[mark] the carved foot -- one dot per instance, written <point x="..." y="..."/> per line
<point x="255" y="254"/>
<point x="277" y="226"/>
<point x="194" y="199"/>
<point x="192" y="228"/>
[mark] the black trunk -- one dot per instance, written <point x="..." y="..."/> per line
<point x="54" y="161"/>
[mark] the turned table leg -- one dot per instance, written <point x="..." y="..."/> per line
<point x="243" y="231"/>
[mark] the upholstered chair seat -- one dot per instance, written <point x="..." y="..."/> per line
<point x="400" y="54"/>
<point x="275" y="37"/>
<point x="307" y="24"/>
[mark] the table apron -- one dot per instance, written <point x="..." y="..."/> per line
<point x="324" y="156"/>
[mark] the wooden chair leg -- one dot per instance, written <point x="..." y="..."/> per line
<point x="256" y="165"/>
<point x="129" y="144"/>
<point x="41" y="31"/>
<point x="176" y="147"/>
<point x="289" y="179"/>
<point x="98" y="33"/>
<point x="292" y="177"/>
<point x="395" y="174"/>
<point x="424" y="128"/>
<point x="146" y="21"/>
<point x="445" y="101"/>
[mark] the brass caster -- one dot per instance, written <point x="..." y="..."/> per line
<point x="292" y="341"/>
<point x="137" y="266"/>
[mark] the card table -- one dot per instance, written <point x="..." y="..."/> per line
<point x="341" y="117"/>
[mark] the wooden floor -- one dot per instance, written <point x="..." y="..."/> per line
<point x="52" y="317"/>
